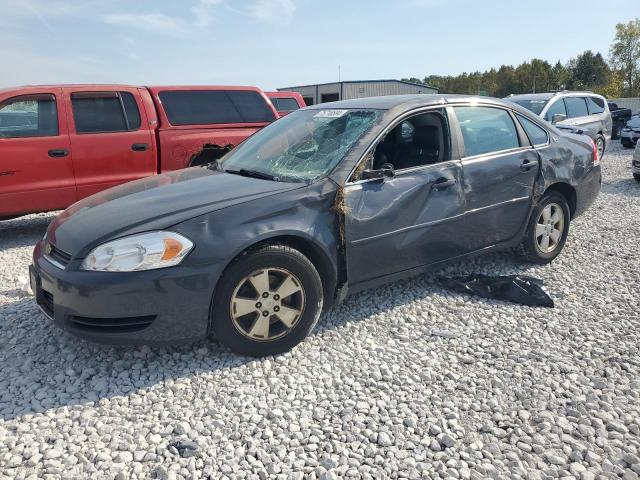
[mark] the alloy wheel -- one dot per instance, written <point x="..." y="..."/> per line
<point x="549" y="228"/>
<point x="267" y="304"/>
<point x="600" y="147"/>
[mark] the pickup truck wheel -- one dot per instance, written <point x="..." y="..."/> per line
<point x="637" y="177"/>
<point x="627" y="144"/>
<point x="267" y="301"/>
<point x="615" y="132"/>
<point x="547" y="230"/>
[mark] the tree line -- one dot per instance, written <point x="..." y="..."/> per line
<point x="614" y="77"/>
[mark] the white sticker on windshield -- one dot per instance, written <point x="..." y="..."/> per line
<point x="334" y="113"/>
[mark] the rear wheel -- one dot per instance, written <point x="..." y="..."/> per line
<point x="600" y="146"/>
<point x="267" y="301"/>
<point x="547" y="231"/>
<point x="627" y="144"/>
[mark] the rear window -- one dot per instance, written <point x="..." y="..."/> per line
<point x="204" y="107"/>
<point x="576" y="107"/>
<point x="104" y="112"/>
<point x="595" y="104"/>
<point x="285" y="104"/>
<point x="534" y="106"/>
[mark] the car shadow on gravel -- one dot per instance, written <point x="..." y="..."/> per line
<point x="45" y="368"/>
<point x="625" y="186"/>
<point x="23" y="231"/>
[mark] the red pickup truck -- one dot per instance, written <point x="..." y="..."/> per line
<point x="286" y="102"/>
<point x="61" y="143"/>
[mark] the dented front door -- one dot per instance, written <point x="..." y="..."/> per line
<point x="403" y="222"/>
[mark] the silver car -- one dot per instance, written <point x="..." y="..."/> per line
<point x="586" y="110"/>
<point x="630" y="133"/>
<point x="635" y="163"/>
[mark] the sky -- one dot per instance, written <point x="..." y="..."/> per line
<point x="281" y="43"/>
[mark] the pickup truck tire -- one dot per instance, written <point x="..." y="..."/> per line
<point x="615" y="131"/>
<point x="550" y="219"/>
<point x="626" y="144"/>
<point x="250" y="317"/>
<point x="637" y="177"/>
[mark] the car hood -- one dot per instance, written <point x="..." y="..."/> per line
<point x="153" y="203"/>
<point x="634" y="122"/>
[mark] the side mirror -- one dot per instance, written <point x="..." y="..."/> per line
<point x="558" y="117"/>
<point x="385" y="171"/>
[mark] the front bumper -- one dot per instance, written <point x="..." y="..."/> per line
<point x="152" y="307"/>
<point x="629" y="136"/>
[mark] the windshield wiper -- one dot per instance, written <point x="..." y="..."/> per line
<point x="254" y="174"/>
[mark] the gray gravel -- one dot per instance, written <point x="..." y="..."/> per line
<point x="409" y="381"/>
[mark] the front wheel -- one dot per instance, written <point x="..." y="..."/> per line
<point x="267" y="301"/>
<point x="547" y="230"/>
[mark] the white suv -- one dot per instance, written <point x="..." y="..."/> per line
<point x="586" y="110"/>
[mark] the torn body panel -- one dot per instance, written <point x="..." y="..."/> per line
<point x="180" y="147"/>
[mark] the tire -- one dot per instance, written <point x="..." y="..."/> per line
<point x="637" y="177"/>
<point x="601" y="145"/>
<point x="531" y="247"/>
<point x="615" y="132"/>
<point x="627" y="144"/>
<point x="256" y="333"/>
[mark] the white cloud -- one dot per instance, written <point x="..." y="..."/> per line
<point x="203" y="11"/>
<point x="153" y="22"/>
<point x="274" y="12"/>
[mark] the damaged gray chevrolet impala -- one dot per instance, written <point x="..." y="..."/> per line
<point x="324" y="202"/>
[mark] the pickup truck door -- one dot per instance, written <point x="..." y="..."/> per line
<point x="111" y="137"/>
<point x="36" y="171"/>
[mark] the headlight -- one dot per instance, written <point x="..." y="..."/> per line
<point x="145" y="251"/>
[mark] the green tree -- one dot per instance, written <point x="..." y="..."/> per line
<point x="625" y="55"/>
<point x="588" y="71"/>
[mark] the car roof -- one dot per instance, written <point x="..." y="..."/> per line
<point x="406" y="102"/>
<point x="549" y="95"/>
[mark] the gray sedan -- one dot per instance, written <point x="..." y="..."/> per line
<point x="326" y="201"/>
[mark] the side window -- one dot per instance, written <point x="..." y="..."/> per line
<point x="103" y="112"/>
<point x="537" y="135"/>
<point x="285" y="104"/>
<point x="486" y="130"/>
<point x="556" y="108"/>
<point x="421" y="140"/>
<point x="595" y="104"/>
<point x="29" y="116"/>
<point x="576" y="107"/>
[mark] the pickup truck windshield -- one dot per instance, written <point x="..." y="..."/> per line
<point x="535" y="106"/>
<point x="302" y="146"/>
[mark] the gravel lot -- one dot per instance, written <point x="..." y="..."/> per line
<point x="408" y="381"/>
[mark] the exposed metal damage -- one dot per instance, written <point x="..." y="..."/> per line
<point x="210" y="152"/>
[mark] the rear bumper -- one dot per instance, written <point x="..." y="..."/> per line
<point x="587" y="191"/>
<point x="152" y="307"/>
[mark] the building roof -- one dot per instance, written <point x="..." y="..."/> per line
<point x="424" y="85"/>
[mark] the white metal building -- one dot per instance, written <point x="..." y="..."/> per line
<point x="332" y="92"/>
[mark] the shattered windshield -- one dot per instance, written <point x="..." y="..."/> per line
<point x="302" y="146"/>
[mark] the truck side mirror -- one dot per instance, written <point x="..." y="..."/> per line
<point x="558" y="117"/>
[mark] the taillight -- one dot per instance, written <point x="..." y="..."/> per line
<point x="594" y="152"/>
